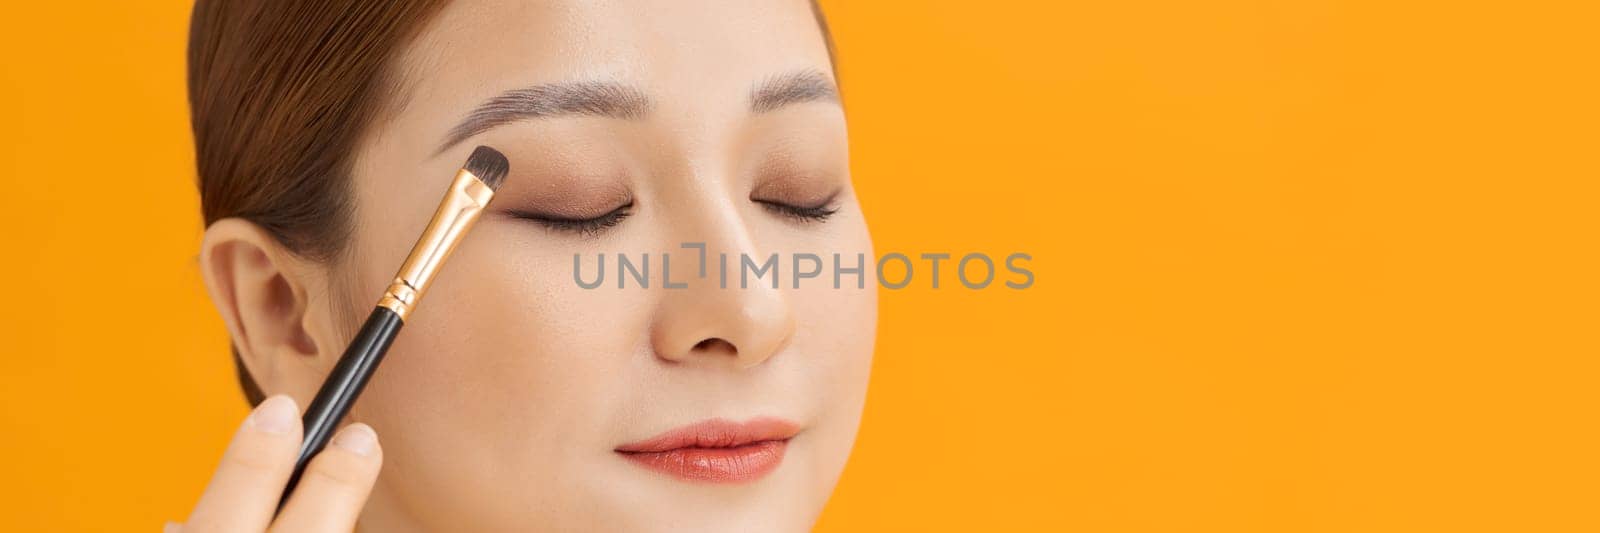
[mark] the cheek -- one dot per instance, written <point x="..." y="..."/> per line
<point x="836" y="359"/>
<point x="848" y="313"/>
<point x="836" y="332"/>
<point x="505" y="369"/>
<point x="836" y="326"/>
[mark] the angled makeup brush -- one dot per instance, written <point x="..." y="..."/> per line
<point x="469" y="193"/>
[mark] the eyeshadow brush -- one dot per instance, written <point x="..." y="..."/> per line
<point x="469" y="193"/>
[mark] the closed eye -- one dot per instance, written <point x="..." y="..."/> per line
<point x="802" y="213"/>
<point x="580" y="226"/>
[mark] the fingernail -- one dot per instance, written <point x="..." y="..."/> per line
<point x="357" y="438"/>
<point x="276" y="415"/>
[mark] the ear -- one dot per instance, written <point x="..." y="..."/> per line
<point x="274" y="305"/>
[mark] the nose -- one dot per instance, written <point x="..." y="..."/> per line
<point x="715" y="324"/>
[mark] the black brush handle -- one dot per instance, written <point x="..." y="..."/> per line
<point x="343" y="385"/>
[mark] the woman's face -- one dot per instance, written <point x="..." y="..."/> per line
<point x="517" y="398"/>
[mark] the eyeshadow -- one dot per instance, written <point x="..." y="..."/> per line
<point x="783" y="178"/>
<point x="565" y="181"/>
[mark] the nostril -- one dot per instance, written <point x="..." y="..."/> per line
<point x="715" y="345"/>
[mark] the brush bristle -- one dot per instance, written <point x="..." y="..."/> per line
<point x="489" y="165"/>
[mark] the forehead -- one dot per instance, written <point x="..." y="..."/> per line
<point x="690" y="56"/>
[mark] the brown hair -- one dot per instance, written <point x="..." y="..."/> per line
<point x="280" y="94"/>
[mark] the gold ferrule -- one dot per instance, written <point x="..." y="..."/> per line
<point x="462" y="204"/>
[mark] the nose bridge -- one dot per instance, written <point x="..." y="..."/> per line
<point x="706" y="315"/>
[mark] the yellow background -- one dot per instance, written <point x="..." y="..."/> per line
<point x="1302" y="265"/>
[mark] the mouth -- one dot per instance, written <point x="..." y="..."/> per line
<point x="715" y="450"/>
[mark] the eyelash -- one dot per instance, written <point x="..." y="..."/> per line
<point x="586" y="227"/>
<point x="589" y="227"/>
<point x="818" y="213"/>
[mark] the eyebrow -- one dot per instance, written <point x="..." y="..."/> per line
<point x="796" y="87"/>
<point x="614" y="100"/>
<point x="590" y="98"/>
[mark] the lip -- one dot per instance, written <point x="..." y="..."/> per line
<point x="715" y="450"/>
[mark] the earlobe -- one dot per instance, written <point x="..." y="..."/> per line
<point x="261" y="291"/>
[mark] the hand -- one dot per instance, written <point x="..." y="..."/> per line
<point x="244" y="490"/>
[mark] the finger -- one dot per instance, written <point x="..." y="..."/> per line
<point x="335" y="485"/>
<point x="244" y="490"/>
<point x="172" y="527"/>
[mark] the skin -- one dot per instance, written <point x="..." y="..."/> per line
<point x="501" y="404"/>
